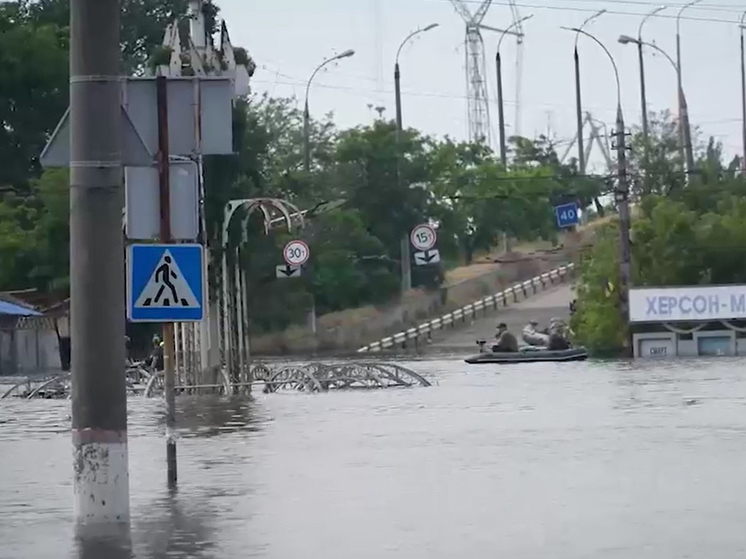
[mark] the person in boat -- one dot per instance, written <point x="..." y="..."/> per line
<point x="558" y="336"/>
<point x="506" y="342"/>
<point x="535" y="337"/>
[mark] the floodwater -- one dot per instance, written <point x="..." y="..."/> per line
<point x="565" y="461"/>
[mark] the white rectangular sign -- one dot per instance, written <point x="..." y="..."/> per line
<point x="660" y="304"/>
<point x="143" y="202"/>
<point x="426" y="258"/>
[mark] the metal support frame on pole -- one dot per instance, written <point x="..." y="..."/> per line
<point x="169" y="341"/>
<point x="97" y="291"/>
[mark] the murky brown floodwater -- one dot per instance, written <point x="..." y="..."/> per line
<point x="533" y="461"/>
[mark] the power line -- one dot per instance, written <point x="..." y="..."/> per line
<point x="297" y="82"/>
<point x="610" y="12"/>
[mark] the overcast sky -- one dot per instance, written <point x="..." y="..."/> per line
<point x="289" y="38"/>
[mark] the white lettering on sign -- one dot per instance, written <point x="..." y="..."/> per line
<point x="687" y="303"/>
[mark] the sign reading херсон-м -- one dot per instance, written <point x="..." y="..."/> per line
<point x="687" y="303"/>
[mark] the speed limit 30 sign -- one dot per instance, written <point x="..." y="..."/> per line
<point x="423" y="237"/>
<point x="296" y="253"/>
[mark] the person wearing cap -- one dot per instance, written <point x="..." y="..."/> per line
<point x="506" y="342"/>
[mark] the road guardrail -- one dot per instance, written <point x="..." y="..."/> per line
<point x="526" y="288"/>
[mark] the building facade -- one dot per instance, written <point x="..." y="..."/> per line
<point x="688" y="321"/>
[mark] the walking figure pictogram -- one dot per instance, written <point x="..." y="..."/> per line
<point x="163" y="275"/>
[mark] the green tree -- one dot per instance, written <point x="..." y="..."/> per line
<point x="33" y="92"/>
<point x="597" y="322"/>
<point x="34" y="235"/>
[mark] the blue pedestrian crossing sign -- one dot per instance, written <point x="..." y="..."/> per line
<point x="567" y="215"/>
<point x="165" y="283"/>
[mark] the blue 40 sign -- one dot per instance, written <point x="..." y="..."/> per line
<point x="567" y="215"/>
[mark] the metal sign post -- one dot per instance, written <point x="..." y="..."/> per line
<point x="296" y="254"/>
<point x="169" y="342"/>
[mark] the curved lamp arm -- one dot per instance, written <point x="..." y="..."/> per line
<point x="579" y="31"/>
<point x="664" y="53"/>
<point x="412" y="35"/>
<point x="345" y="54"/>
<point x="590" y="19"/>
<point x="511" y="27"/>
<point x="626" y="40"/>
<point x="646" y="18"/>
<point x="681" y="11"/>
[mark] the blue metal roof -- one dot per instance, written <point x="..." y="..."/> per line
<point x="16" y="310"/>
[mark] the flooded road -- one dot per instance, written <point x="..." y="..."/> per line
<point x="590" y="460"/>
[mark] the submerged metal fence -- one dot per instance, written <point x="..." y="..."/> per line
<point x="527" y="288"/>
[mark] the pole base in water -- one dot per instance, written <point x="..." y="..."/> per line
<point x="101" y="480"/>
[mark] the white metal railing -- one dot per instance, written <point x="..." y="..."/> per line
<point x="526" y="288"/>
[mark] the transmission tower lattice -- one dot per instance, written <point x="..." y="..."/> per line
<point x="476" y="72"/>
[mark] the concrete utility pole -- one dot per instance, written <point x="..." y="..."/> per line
<point x="169" y="342"/>
<point x="99" y="401"/>
<point x="622" y="200"/>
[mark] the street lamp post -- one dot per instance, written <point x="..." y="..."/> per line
<point x="683" y="106"/>
<point x="500" y="103"/>
<point x="406" y="265"/>
<point x="578" y="98"/>
<point x="643" y="94"/>
<point x="397" y="73"/>
<point x="622" y="191"/>
<point x="685" y="132"/>
<point x="743" y="95"/>
<point x="307" y="150"/>
<point x="307" y="114"/>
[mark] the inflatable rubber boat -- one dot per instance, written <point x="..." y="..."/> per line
<point x="529" y="354"/>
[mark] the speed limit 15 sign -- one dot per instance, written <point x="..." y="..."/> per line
<point x="423" y="237"/>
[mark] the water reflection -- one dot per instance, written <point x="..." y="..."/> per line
<point x="176" y="527"/>
<point x="96" y="542"/>
<point x="212" y="416"/>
